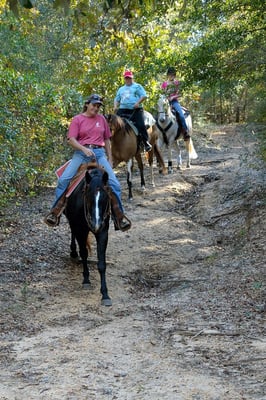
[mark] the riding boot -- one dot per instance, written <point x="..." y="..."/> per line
<point x="146" y="143"/>
<point x="121" y="222"/>
<point x="53" y="217"/>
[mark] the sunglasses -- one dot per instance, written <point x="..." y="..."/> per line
<point x="95" y="97"/>
<point x="96" y="105"/>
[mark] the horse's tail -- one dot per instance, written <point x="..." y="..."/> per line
<point x="191" y="150"/>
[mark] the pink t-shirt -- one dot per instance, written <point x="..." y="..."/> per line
<point x="89" y="130"/>
<point x="171" y="89"/>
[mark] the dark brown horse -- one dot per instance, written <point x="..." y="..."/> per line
<point x="125" y="144"/>
<point x="88" y="210"/>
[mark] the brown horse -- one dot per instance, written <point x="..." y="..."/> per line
<point x="125" y="145"/>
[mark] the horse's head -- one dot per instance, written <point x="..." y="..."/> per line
<point x="163" y="108"/>
<point x="115" y="122"/>
<point x="97" y="199"/>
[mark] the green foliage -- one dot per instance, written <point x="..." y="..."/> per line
<point x="33" y="128"/>
<point x="55" y="53"/>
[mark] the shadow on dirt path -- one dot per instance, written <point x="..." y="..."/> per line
<point x="187" y="284"/>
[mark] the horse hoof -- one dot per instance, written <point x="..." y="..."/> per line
<point x="86" y="285"/>
<point x="106" y="302"/>
<point x="188" y="166"/>
<point x="74" y="255"/>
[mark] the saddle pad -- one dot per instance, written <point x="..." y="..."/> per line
<point x="77" y="178"/>
<point x="148" y="119"/>
<point x="60" y="170"/>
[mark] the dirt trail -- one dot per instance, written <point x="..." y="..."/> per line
<point x="187" y="284"/>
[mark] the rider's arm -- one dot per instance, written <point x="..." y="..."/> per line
<point x="116" y="105"/>
<point x="140" y="100"/>
<point x="108" y="151"/>
<point x="77" y="146"/>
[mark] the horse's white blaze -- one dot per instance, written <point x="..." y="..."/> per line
<point x="97" y="210"/>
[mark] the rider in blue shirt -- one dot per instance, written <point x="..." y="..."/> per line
<point x="128" y="103"/>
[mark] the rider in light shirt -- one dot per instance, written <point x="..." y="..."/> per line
<point x="170" y="88"/>
<point x="128" y="103"/>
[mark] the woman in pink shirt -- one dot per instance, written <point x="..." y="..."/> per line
<point x="171" y="90"/>
<point x="89" y="135"/>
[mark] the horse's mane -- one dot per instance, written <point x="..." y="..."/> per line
<point x="117" y="123"/>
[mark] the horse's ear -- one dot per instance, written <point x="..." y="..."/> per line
<point x="105" y="178"/>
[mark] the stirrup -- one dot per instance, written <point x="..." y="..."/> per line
<point x="122" y="225"/>
<point x="51" y="219"/>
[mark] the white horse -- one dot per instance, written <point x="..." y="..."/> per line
<point x="169" y="135"/>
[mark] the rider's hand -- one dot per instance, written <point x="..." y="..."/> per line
<point x="88" y="152"/>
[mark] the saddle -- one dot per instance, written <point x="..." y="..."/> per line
<point x="186" y="113"/>
<point x="132" y="125"/>
<point x="148" y="121"/>
<point x="77" y="178"/>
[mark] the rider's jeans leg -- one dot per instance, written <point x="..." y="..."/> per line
<point x="138" y="119"/>
<point x="176" y="105"/>
<point x="78" y="158"/>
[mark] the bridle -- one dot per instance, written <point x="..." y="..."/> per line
<point x="166" y="113"/>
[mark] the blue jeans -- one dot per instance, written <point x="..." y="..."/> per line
<point x="177" y="107"/>
<point x="80" y="158"/>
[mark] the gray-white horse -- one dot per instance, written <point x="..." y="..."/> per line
<point x="169" y="135"/>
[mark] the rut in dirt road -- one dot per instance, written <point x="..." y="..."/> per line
<point x="187" y="284"/>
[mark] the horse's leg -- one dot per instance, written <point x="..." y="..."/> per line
<point x="179" y="155"/>
<point x="160" y="160"/>
<point x="81" y="237"/>
<point x="141" y="169"/>
<point x="102" y="240"/>
<point x="188" y="153"/>
<point x="129" y="179"/>
<point x="150" y="155"/>
<point x="170" y="164"/>
<point x="73" y="247"/>
<point x="86" y="275"/>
